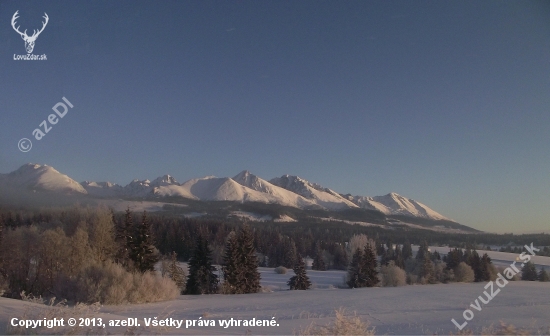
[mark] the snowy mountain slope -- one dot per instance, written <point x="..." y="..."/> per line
<point x="395" y="204"/>
<point x="227" y="189"/>
<point x="165" y="180"/>
<point x="162" y="186"/>
<point x="168" y="186"/>
<point x="324" y="197"/>
<point x="286" y="190"/>
<point x="41" y="177"/>
<point x="102" y="189"/>
<point x="281" y="195"/>
<point x="215" y="189"/>
<point x="244" y="187"/>
<point x="172" y="190"/>
<point x="400" y="205"/>
<point x="138" y="188"/>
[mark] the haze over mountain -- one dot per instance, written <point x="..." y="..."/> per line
<point x="286" y="190"/>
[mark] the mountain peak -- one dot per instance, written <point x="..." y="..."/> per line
<point x="137" y="181"/>
<point x="313" y="191"/>
<point x="164" y="180"/>
<point x="247" y="179"/>
<point x="396" y="204"/>
<point x="245" y="174"/>
<point x="33" y="176"/>
<point x="30" y="167"/>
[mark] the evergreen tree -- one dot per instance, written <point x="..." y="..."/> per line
<point x="407" y="250"/>
<point x="230" y="268"/>
<point x="399" y="260"/>
<point x="467" y="256"/>
<point x="318" y="262"/>
<point x="388" y="256"/>
<point x="248" y="260"/>
<point x="422" y="251"/>
<point x="202" y="278"/>
<point x="428" y="270"/>
<point x="362" y="271"/>
<point x="300" y="281"/>
<point x="543" y="276"/>
<point x="474" y="260"/>
<point x="454" y="258"/>
<point x="124" y="240"/>
<point x="283" y="252"/>
<point x="380" y="249"/>
<point x="340" y="257"/>
<point x="485" y="268"/>
<point x="289" y="253"/>
<point x="369" y="266"/>
<point x="240" y="263"/>
<point x="529" y="272"/>
<point x="143" y="253"/>
<point x="355" y="272"/>
<point x="176" y="273"/>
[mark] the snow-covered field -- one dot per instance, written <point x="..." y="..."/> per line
<point x="402" y="310"/>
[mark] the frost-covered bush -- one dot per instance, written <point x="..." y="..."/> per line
<point x="448" y="276"/>
<point x="516" y="277"/>
<point x="110" y="283"/>
<point x="442" y="274"/>
<point x="73" y="259"/>
<point x="464" y="273"/>
<point x="280" y="270"/>
<point x="359" y="241"/>
<point x="412" y="279"/>
<point x="392" y="276"/>
<point x="342" y="325"/>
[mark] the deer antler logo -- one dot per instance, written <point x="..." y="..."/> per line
<point x="29" y="40"/>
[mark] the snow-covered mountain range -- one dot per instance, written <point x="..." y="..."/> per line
<point x="286" y="190"/>
<point x="37" y="177"/>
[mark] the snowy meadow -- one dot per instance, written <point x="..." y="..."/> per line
<point x="403" y="310"/>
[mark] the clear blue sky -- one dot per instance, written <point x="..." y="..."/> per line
<point x="446" y="102"/>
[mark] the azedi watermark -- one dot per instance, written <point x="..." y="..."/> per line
<point x="60" y="110"/>
<point x="501" y="281"/>
<point x="29" y="40"/>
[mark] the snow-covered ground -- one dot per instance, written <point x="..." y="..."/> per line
<point x="402" y="310"/>
<point x="319" y="279"/>
<point x="251" y="216"/>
